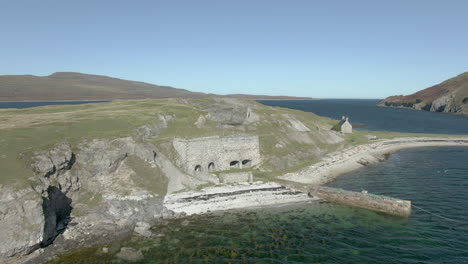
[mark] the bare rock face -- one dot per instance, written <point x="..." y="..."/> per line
<point x="154" y="130"/>
<point x="32" y="218"/>
<point x="53" y="166"/>
<point x="446" y="103"/>
<point x="231" y="111"/>
<point x="22" y="222"/>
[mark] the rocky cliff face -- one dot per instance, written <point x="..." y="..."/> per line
<point x="450" y="96"/>
<point x="91" y="189"/>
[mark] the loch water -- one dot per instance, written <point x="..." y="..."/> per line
<point x="366" y="112"/>
<point x="435" y="179"/>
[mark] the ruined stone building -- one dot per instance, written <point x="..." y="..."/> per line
<point x="210" y="154"/>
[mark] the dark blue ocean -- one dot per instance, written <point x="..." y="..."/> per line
<point x="435" y="179"/>
<point x="366" y="112"/>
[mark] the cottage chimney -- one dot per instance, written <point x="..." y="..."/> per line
<point x="343" y="117"/>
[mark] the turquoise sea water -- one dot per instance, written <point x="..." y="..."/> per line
<point x="435" y="179"/>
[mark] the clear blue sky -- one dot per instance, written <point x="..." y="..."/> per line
<point x="334" y="49"/>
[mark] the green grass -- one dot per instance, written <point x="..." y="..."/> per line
<point x="25" y="131"/>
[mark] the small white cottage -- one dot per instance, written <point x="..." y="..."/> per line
<point x="344" y="126"/>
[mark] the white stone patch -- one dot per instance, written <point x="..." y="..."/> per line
<point x="298" y="125"/>
<point x="135" y="197"/>
<point x="226" y="197"/>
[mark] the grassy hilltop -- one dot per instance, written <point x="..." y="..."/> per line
<point x="80" y="86"/>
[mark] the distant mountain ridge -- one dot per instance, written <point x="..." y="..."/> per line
<point x="450" y="96"/>
<point x="79" y="86"/>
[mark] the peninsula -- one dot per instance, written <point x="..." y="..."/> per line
<point x="450" y="96"/>
<point x="79" y="175"/>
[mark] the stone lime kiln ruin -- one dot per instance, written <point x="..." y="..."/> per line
<point x="211" y="154"/>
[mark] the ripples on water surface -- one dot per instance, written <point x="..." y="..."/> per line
<point x="365" y="111"/>
<point x="433" y="178"/>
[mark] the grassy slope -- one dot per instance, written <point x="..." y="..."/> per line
<point x="78" y="86"/>
<point x="24" y="131"/>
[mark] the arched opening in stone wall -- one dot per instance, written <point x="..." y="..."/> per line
<point x="247" y="163"/>
<point x="234" y="164"/>
<point x="198" y="168"/>
<point x="211" y="166"/>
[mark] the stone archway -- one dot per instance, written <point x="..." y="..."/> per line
<point x="198" y="168"/>
<point x="246" y="163"/>
<point x="234" y="164"/>
<point x="211" y="166"/>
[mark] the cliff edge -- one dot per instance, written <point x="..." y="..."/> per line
<point x="450" y="96"/>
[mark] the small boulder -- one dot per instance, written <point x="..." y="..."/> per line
<point x="143" y="228"/>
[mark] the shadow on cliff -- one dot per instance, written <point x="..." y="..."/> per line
<point x="57" y="209"/>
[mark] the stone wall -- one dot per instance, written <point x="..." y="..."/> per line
<point x="209" y="154"/>
<point x="236" y="177"/>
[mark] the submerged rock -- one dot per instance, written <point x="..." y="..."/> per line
<point x="130" y="254"/>
<point x="143" y="228"/>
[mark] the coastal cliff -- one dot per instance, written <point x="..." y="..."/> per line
<point x="450" y="96"/>
<point x="78" y="175"/>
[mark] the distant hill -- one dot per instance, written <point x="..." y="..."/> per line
<point x="450" y="96"/>
<point x="269" y="97"/>
<point x="79" y="86"/>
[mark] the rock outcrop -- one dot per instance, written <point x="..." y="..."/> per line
<point x="450" y="96"/>
<point x="76" y="192"/>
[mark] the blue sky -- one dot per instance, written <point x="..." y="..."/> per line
<point x="327" y="49"/>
